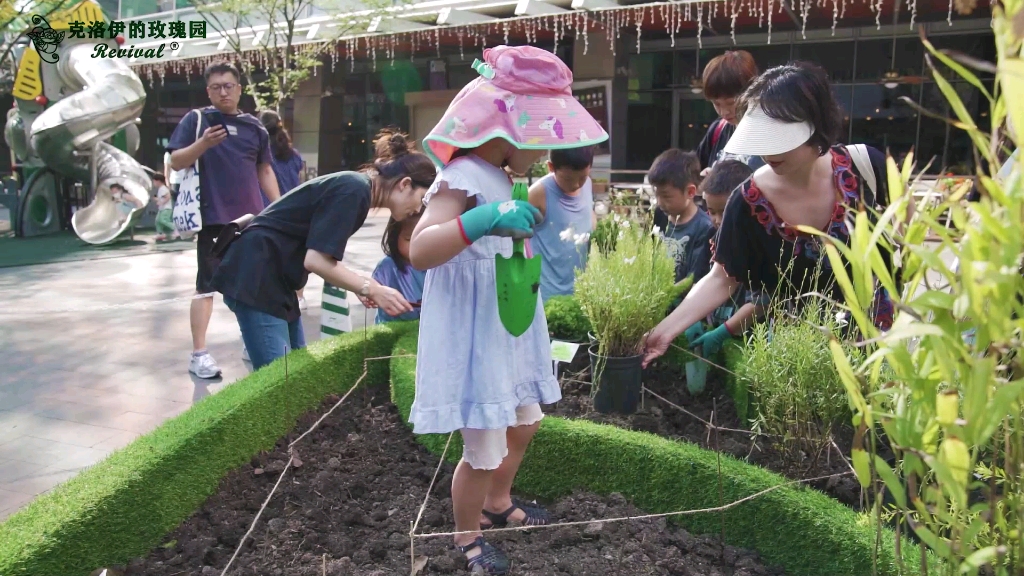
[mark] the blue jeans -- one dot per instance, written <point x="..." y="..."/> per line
<point x="266" y="337"/>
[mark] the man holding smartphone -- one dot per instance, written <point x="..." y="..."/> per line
<point x="233" y="151"/>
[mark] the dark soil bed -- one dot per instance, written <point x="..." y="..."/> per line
<point x="657" y="417"/>
<point x="347" y="511"/>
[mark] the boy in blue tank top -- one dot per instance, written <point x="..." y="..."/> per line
<point x="565" y="198"/>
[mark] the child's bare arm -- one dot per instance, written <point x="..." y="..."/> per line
<point x="437" y="237"/>
<point x="539" y="198"/>
<point x="742" y="319"/>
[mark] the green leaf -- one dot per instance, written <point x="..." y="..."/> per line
<point x="1006" y="397"/>
<point x="939" y="545"/>
<point x="1011" y="76"/>
<point x="850" y="381"/>
<point x="956" y="67"/>
<point x="899" y="493"/>
<point x="861" y="466"/>
<point x="934" y="299"/>
<point x="980" y="558"/>
<point x="895" y="179"/>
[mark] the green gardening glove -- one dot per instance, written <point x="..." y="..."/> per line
<point x="693" y="332"/>
<point x="510" y="218"/>
<point x="711" y="342"/>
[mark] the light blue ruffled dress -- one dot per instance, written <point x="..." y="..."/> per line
<point x="470" y="372"/>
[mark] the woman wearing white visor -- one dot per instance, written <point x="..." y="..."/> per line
<point x="792" y="121"/>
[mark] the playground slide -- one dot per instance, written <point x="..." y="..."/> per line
<point x="108" y="96"/>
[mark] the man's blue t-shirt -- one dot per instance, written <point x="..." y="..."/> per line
<point x="228" y="183"/>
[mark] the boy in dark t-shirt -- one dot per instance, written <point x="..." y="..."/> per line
<point x="687" y="229"/>
<point x="735" y="316"/>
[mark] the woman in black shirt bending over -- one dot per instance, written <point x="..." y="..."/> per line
<point x="306" y="231"/>
<point x="793" y="122"/>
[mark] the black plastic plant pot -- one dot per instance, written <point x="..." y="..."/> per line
<point x="618" y="382"/>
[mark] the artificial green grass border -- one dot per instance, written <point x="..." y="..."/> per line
<point x="801" y="529"/>
<point x="122" y="507"/>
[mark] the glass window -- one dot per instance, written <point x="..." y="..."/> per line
<point x="835" y="57"/>
<point x="771" y="55"/>
<point x="695" y="116"/>
<point x="397" y="80"/>
<point x="109" y="8"/>
<point x="874" y="57"/>
<point x="882" y="120"/>
<point x="459" y="76"/>
<point x="135" y="8"/>
<point x="648" y="116"/>
<point x="652" y="70"/>
<point x="980" y="46"/>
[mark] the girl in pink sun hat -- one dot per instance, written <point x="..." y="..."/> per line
<point x="472" y="375"/>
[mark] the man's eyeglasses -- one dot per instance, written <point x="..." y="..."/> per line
<point x="218" y="87"/>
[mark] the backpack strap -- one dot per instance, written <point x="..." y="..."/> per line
<point x="717" y="134"/>
<point x="861" y="159"/>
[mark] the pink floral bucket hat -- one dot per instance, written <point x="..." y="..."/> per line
<point x="524" y="95"/>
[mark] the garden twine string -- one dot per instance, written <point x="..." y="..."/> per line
<point x="414" y="525"/>
<point x="291" y="446"/>
<point x="722" y="508"/>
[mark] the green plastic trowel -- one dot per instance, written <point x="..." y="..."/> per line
<point x="518" y="281"/>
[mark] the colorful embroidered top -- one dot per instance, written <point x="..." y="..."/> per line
<point x="757" y="248"/>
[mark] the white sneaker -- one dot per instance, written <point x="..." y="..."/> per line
<point x="302" y="303"/>
<point x="245" y="353"/>
<point x="204" y="366"/>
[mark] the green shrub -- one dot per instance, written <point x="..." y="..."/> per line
<point x="626" y="292"/>
<point x="789" y="369"/>
<point x="566" y="320"/>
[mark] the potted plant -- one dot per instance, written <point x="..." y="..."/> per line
<point x="624" y="291"/>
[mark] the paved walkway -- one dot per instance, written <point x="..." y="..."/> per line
<point x="77" y="385"/>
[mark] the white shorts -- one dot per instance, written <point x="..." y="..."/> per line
<point x="485" y="449"/>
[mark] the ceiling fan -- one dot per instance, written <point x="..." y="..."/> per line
<point x="892" y="78"/>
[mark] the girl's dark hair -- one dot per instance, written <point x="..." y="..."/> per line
<point x="395" y="158"/>
<point x="389" y="243"/>
<point x="280" y="141"/>
<point x="725" y="177"/>
<point x="798" y="92"/>
<point x="729" y="74"/>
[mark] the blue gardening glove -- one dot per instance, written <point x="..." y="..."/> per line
<point x="510" y="218"/>
<point x="693" y="333"/>
<point x="711" y="342"/>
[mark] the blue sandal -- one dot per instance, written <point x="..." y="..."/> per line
<point x="490" y="561"/>
<point x="535" y="515"/>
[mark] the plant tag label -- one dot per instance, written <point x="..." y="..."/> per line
<point x="563" y="351"/>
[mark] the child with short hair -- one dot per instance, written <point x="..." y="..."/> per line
<point x="565" y="198"/>
<point x="394" y="269"/>
<point x="165" y="210"/>
<point x="734" y="317"/>
<point x="472" y="375"/>
<point x="687" y="229"/>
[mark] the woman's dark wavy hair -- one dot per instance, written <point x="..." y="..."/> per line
<point x="280" y="140"/>
<point x="389" y="243"/>
<point x="396" y="158"/>
<point x="798" y="92"/>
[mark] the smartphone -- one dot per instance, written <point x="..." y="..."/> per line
<point x="215" y="118"/>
